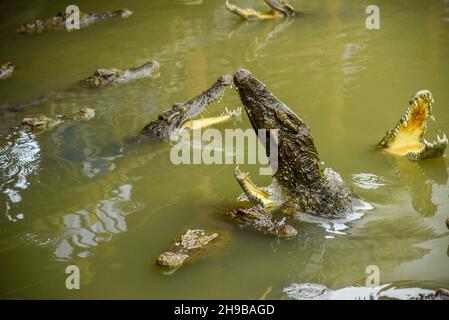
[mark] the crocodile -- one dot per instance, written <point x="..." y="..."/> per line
<point x="406" y="137"/>
<point x="186" y="247"/>
<point x="179" y="117"/>
<point x="41" y="124"/>
<point x="279" y="9"/>
<point x="106" y="76"/>
<point x="260" y="219"/>
<point x="299" y="183"/>
<point x="316" y="291"/>
<point x="6" y="70"/>
<point x="58" y="22"/>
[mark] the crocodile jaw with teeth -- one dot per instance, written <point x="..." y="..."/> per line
<point x="406" y="138"/>
<point x="181" y="116"/>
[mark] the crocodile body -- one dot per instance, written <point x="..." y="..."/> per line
<point x="103" y="77"/>
<point x="300" y="184"/>
<point x="278" y="9"/>
<point x="186" y="247"/>
<point x="41" y="124"/>
<point x="58" y="22"/>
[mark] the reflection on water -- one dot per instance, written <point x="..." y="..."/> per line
<point x="313" y="291"/>
<point x="100" y="222"/>
<point x="19" y="158"/>
<point x="417" y="183"/>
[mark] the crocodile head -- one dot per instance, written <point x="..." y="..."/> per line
<point x="107" y="76"/>
<point x="279" y="9"/>
<point x="184" y="115"/>
<point x="281" y="6"/>
<point x="298" y="161"/>
<point x="407" y="137"/>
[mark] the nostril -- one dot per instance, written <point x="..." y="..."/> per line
<point x="241" y="76"/>
<point x="225" y="79"/>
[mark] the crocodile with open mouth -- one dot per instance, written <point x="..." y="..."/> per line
<point x="173" y="120"/>
<point x="58" y="22"/>
<point x="406" y="137"/>
<point x="6" y="70"/>
<point x="279" y="9"/>
<point x="105" y="76"/>
<point x="300" y="184"/>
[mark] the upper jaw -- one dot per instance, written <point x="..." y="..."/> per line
<point x="282" y="6"/>
<point x="199" y="104"/>
<point x="415" y="119"/>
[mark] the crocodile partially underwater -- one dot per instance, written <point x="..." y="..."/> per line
<point x="102" y="77"/>
<point x="6" y="70"/>
<point x="106" y="76"/>
<point x="300" y="184"/>
<point x="41" y="124"/>
<point x="181" y="115"/>
<point x="58" y="22"/>
<point x="406" y="137"/>
<point x="186" y="247"/>
<point x="279" y="9"/>
<point x="316" y="291"/>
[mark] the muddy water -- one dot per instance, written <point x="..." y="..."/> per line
<point x="76" y="196"/>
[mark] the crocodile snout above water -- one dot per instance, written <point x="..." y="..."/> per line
<point x="279" y="9"/>
<point x="104" y="76"/>
<point x="407" y="136"/>
<point x="182" y="115"/>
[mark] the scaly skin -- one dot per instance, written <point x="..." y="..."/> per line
<point x="260" y="219"/>
<point x="59" y="22"/>
<point x="279" y="9"/>
<point x="179" y="117"/>
<point x="6" y="70"/>
<point x="188" y="245"/>
<point x="406" y="138"/>
<point x="316" y="291"/>
<point x="103" y="77"/>
<point x="41" y="124"/>
<point x="440" y="294"/>
<point x="300" y="184"/>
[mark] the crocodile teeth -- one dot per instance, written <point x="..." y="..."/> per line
<point x="444" y="137"/>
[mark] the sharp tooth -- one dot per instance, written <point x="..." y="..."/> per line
<point x="438" y="136"/>
<point x="444" y="137"/>
<point x="432" y="117"/>
<point x="425" y="141"/>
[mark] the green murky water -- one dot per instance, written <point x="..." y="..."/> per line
<point x="74" y="196"/>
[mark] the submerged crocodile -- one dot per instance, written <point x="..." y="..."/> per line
<point x="316" y="291"/>
<point x="173" y="120"/>
<point x="6" y="70"/>
<point x="406" y="138"/>
<point x="279" y="9"/>
<point x="41" y="124"/>
<point x="260" y="219"/>
<point x="186" y="247"/>
<point x="58" y="22"/>
<point x="300" y="184"/>
<point x="103" y="76"/>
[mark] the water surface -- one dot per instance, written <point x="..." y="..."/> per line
<point x="76" y="196"/>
